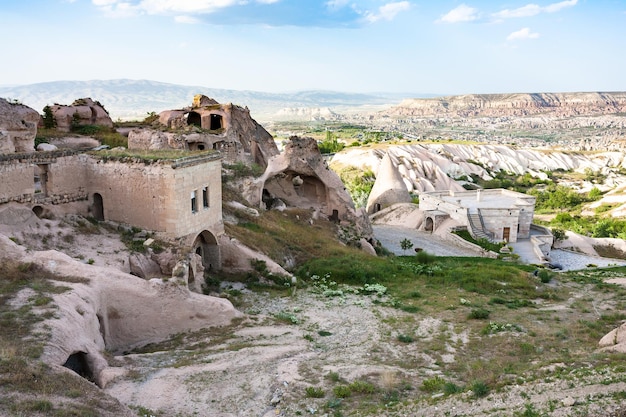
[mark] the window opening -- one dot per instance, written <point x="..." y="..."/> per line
<point x="194" y="204"/>
<point x="205" y="197"/>
<point x="216" y="122"/>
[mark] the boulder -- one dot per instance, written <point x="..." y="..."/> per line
<point x="87" y="111"/>
<point x="142" y="266"/>
<point x="46" y="147"/>
<point x="18" y="127"/>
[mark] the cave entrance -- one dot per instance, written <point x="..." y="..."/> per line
<point x="38" y="210"/>
<point x="78" y="363"/>
<point x="97" y="209"/>
<point x="216" y="122"/>
<point x="194" y="119"/>
<point x="206" y="246"/>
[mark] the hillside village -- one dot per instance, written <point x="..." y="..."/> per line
<point x="165" y="193"/>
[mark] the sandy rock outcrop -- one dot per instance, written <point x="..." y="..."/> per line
<point x="87" y="111"/>
<point x="18" y="127"/>
<point x="615" y="340"/>
<point x="238" y="257"/>
<point x="300" y="177"/>
<point x="107" y="309"/>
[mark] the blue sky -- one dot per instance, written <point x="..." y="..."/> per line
<point x="405" y="46"/>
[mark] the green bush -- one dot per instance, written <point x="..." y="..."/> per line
<point x="480" y="389"/>
<point x="479" y="314"/>
<point x="405" y="338"/>
<point x="315" y="392"/>
<point x="342" y="391"/>
<point x="544" y="276"/>
<point x="433" y="384"/>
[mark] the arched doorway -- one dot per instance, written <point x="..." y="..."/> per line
<point x="206" y="246"/>
<point x="97" y="210"/>
<point x="429" y="225"/>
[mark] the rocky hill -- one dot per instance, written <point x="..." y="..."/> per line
<point x="520" y="104"/>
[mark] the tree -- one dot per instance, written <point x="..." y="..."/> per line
<point x="406" y="244"/>
<point x="48" y="118"/>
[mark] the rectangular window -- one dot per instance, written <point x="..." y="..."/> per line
<point x="194" y="204"/>
<point x="205" y="197"/>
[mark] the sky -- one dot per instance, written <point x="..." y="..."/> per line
<point x="362" y="46"/>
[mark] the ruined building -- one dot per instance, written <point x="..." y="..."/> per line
<point x="209" y="125"/>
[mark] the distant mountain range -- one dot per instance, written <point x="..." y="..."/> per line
<point x="134" y="99"/>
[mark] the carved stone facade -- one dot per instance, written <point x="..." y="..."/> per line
<point x="176" y="198"/>
<point x="208" y="125"/>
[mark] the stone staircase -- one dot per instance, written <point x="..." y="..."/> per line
<point x="477" y="226"/>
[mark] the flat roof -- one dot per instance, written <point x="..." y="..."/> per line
<point x="497" y="198"/>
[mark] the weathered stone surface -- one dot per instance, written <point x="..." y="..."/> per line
<point x="142" y="266"/>
<point x="18" y="127"/>
<point x="207" y="125"/>
<point x="45" y="147"/>
<point x="615" y="340"/>
<point x="388" y="189"/>
<point x="89" y="113"/>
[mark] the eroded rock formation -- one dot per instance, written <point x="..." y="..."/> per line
<point x="388" y="189"/>
<point x="18" y="127"/>
<point x="519" y="104"/>
<point x="83" y="111"/>
<point x="107" y="309"/>
<point x="300" y="177"/>
<point x="209" y="125"/>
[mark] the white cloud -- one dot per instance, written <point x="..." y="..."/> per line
<point x="522" y="34"/>
<point x="186" y="19"/>
<point x="534" y="9"/>
<point x="388" y="11"/>
<point x="462" y="13"/>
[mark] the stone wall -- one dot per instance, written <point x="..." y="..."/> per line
<point x="155" y="196"/>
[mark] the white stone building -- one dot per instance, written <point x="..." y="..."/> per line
<point x="496" y="214"/>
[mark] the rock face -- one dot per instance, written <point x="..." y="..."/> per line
<point x="88" y="112"/>
<point x="113" y="310"/>
<point x="209" y="125"/>
<point x="438" y="167"/>
<point x="300" y="177"/>
<point x="388" y="189"/>
<point x="520" y="104"/>
<point x="18" y="127"/>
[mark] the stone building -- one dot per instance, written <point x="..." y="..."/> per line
<point x="498" y="214"/>
<point x="179" y="199"/>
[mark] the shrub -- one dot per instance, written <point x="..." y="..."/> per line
<point x="433" y="384"/>
<point x="405" y="338"/>
<point x="425" y="258"/>
<point x="479" y="314"/>
<point x="480" y="389"/>
<point x="315" y="392"/>
<point x="342" y="391"/>
<point x="362" y="387"/>
<point x="544" y="276"/>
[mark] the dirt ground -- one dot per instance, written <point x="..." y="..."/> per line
<point x="262" y="365"/>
